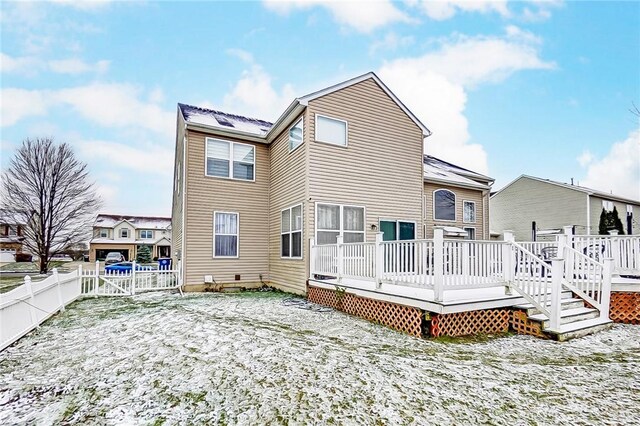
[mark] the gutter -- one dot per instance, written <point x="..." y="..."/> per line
<point x="252" y="137"/>
<point x="462" y="184"/>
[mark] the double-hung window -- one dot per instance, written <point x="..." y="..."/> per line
<point x="225" y="234"/>
<point x="444" y="205"/>
<point x="230" y="160"/>
<point x="295" y="135"/>
<point x="104" y="233"/>
<point x="124" y="233"/>
<point x="331" y="130"/>
<point x="469" y="212"/>
<point x="146" y="234"/>
<point x="291" y="232"/>
<point x="333" y="220"/>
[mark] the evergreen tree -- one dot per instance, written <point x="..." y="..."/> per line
<point x="603" y="228"/>
<point x="617" y="223"/>
<point x="144" y="255"/>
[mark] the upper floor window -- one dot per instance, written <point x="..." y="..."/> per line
<point x="13" y="230"/>
<point x="333" y="220"/>
<point x="225" y="234"/>
<point x="291" y="232"/>
<point x="468" y="212"/>
<point x="444" y="205"/>
<point x="607" y="205"/>
<point x="230" y="160"/>
<point x="295" y="135"/>
<point x="104" y="233"/>
<point x="331" y="130"/>
<point x="146" y="234"/>
<point x="124" y="233"/>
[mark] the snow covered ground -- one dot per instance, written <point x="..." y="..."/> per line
<point x="248" y="359"/>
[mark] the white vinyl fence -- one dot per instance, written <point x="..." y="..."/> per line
<point x="26" y="307"/>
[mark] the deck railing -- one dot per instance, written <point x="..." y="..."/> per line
<point x="589" y="279"/>
<point x="623" y="249"/>
<point x="408" y="262"/>
<point x="473" y="264"/>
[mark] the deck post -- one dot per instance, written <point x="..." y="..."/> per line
<point x="556" y="293"/>
<point x="312" y="257"/>
<point x="615" y="249"/>
<point x="438" y="264"/>
<point x="568" y="231"/>
<point x="508" y="258"/>
<point x="340" y="265"/>
<point x="379" y="260"/>
<point x="133" y="278"/>
<point x="605" y="299"/>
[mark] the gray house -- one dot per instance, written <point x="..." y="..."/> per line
<point x="536" y="208"/>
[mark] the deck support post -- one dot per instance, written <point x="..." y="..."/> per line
<point x="438" y="264"/>
<point x="568" y="231"/>
<point x="562" y="243"/>
<point x="312" y="257"/>
<point x="379" y="260"/>
<point x="340" y="257"/>
<point x="605" y="299"/>
<point x="556" y="293"/>
<point x="508" y="258"/>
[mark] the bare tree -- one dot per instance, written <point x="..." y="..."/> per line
<point x="635" y="110"/>
<point x="46" y="188"/>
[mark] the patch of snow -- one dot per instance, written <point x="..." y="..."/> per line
<point x="248" y="359"/>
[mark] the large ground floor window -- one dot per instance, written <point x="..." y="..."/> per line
<point x="333" y="220"/>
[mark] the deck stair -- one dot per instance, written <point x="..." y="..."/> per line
<point x="576" y="320"/>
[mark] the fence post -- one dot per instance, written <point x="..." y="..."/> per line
<point x="508" y="259"/>
<point x="80" y="279"/>
<point x="438" y="264"/>
<point x="340" y="249"/>
<point x="133" y="277"/>
<point x="96" y="279"/>
<point x="312" y="257"/>
<point x="379" y="259"/>
<point x="605" y="299"/>
<point x="32" y="309"/>
<point x="556" y="293"/>
<point x="56" y="278"/>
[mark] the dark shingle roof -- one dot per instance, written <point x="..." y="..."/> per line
<point x="211" y="117"/>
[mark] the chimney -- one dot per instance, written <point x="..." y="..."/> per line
<point x="571" y="181"/>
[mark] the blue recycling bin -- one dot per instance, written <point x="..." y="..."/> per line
<point x="164" y="263"/>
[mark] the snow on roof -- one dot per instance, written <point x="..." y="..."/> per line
<point x="138" y="222"/>
<point x="223" y="120"/>
<point x="437" y="169"/>
<point x="445" y="165"/>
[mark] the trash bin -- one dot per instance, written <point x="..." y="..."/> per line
<point x="164" y="263"/>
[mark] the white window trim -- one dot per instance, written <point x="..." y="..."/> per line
<point x="455" y="200"/>
<point x="346" y="130"/>
<point x="397" y="221"/>
<point x="341" y="230"/>
<point x="475" y="212"/>
<point x="291" y="232"/>
<point x="301" y="143"/>
<point x="123" y="229"/>
<point x="237" y="234"/>
<point x="475" y="234"/>
<point x="145" y="231"/>
<point x="231" y="145"/>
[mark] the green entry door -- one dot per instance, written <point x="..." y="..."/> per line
<point x="401" y="258"/>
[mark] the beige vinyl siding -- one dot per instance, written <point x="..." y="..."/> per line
<point x="204" y="195"/>
<point x="462" y="194"/>
<point x="288" y="188"/>
<point x="527" y="200"/>
<point x="177" y="207"/>
<point x="381" y="168"/>
<point x="596" y="209"/>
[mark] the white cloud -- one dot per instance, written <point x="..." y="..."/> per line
<point x="619" y="170"/>
<point x="254" y="94"/>
<point x="440" y="10"/>
<point x="152" y="159"/>
<point x="359" y="15"/>
<point x="434" y="87"/>
<point x="110" y="105"/>
<point x="585" y="158"/>
<point x="77" y="66"/>
<point x="243" y="55"/>
<point x="23" y="64"/>
<point x="83" y="4"/>
<point x="391" y="41"/>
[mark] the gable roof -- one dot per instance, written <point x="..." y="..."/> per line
<point x="583" y="189"/>
<point x="138" y="222"/>
<point x="265" y="131"/>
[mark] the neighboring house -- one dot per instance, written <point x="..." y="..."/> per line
<point x="126" y="234"/>
<point x="249" y="194"/>
<point x="530" y="203"/>
<point x="455" y="198"/>
<point x="11" y="236"/>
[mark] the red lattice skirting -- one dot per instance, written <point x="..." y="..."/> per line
<point x="398" y="317"/>
<point x="488" y="321"/>
<point x="625" y="307"/>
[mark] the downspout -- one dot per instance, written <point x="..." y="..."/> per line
<point x="184" y="206"/>
<point x="588" y="215"/>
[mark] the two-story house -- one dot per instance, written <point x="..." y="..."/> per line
<point x="345" y="161"/>
<point x="533" y="207"/>
<point x="126" y="234"/>
<point x="11" y="236"/>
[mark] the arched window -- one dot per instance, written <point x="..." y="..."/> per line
<point x="444" y="205"/>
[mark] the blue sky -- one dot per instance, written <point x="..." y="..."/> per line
<point x="508" y="88"/>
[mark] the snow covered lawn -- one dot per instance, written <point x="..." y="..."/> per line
<point x="248" y="359"/>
